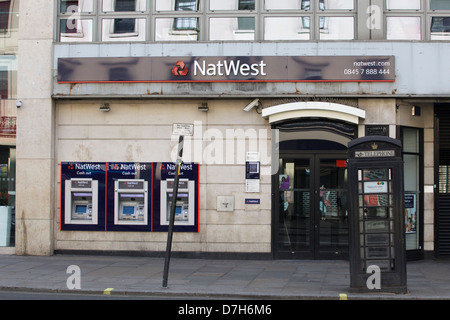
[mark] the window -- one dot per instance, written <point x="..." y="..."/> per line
<point x="440" y="25"/>
<point x="120" y="29"/>
<point x="232" y="5"/>
<point x="246" y="23"/>
<point x="122" y="23"/>
<point x="177" y="28"/>
<point x="282" y="4"/>
<point x="72" y="30"/>
<point x="246" y="5"/>
<point x="413" y="180"/>
<point x="439" y="5"/>
<point x="72" y="6"/>
<point x="336" y="28"/>
<point x="4" y="15"/>
<point x="232" y="28"/>
<point x="440" y="28"/>
<point x="403" y="5"/>
<point x="186" y="5"/>
<point x="336" y="5"/>
<point x="69" y="6"/>
<point x="74" y="25"/>
<point x="249" y="20"/>
<point x="403" y="28"/>
<point x="176" y="5"/>
<point x="287" y="28"/>
<point x="124" y="5"/>
<point x="185" y="23"/>
<point x="3" y="84"/>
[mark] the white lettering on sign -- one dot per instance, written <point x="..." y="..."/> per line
<point x="88" y="166"/>
<point x="133" y="166"/>
<point x="228" y="68"/>
<point x="184" y="166"/>
<point x="378" y="153"/>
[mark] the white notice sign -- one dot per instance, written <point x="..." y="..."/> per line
<point x="183" y="129"/>
<point x="375" y="186"/>
<point x="251" y="185"/>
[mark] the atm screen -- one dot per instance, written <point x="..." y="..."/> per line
<point x="177" y="210"/>
<point x="80" y="209"/>
<point x="128" y="210"/>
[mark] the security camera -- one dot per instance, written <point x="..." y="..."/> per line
<point x="18" y="103"/>
<point x="251" y="105"/>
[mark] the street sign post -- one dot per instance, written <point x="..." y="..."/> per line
<point x="180" y="129"/>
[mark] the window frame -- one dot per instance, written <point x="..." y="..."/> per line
<point x="420" y="192"/>
<point x="93" y="12"/>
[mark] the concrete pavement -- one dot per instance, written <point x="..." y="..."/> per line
<point x="246" y="279"/>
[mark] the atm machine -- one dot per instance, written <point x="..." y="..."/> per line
<point x="130" y="202"/>
<point x="81" y="201"/>
<point x="185" y="202"/>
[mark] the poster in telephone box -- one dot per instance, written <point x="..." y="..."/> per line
<point x="129" y="196"/>
<point x="82" y="205"/>
<point x="186" y="206"/>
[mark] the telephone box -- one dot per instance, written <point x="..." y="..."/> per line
<point x="376" y="213"/>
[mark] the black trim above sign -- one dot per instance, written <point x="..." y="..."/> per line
<point x="228" y="69"/>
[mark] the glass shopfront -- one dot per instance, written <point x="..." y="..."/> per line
<point x="413" y="178"/>
<point x="9" y="21"/>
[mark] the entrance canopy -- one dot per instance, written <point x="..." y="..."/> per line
<point x="313" y="109"/>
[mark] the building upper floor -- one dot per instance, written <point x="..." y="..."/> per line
<point x="251" y="20"/>
<point x="233" y="28"/>
<point x="9" y="26"/>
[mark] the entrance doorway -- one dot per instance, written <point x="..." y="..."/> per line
<point x="310" y="196"/>
<point x="309" y="189"/>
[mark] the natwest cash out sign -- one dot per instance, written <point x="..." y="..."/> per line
<point x="227" y="69"/>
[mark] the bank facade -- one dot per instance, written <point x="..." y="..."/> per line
<point x="273" y="90"/>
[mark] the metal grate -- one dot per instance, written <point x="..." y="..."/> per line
<point x="444" y="224"/>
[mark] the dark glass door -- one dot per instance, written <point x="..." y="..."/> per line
<point x="311" y="222"/>
<point x="332" y="217"/>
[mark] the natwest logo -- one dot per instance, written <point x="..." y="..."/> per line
<point x="180" y="69"/>
<point x="230" y="68"/>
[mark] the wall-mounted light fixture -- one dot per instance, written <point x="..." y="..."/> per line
<point x="204" y="107"/>
<point x="105" y="107"/>
<point x="415" y="111"/>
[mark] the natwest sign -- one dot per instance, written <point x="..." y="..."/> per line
<point x="227" y="69"/>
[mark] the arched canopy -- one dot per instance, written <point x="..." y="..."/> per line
<point x="313" y="109"/>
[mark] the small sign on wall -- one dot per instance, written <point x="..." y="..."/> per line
<point x="225" y="203"/>
<point x="252" y="171"/>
